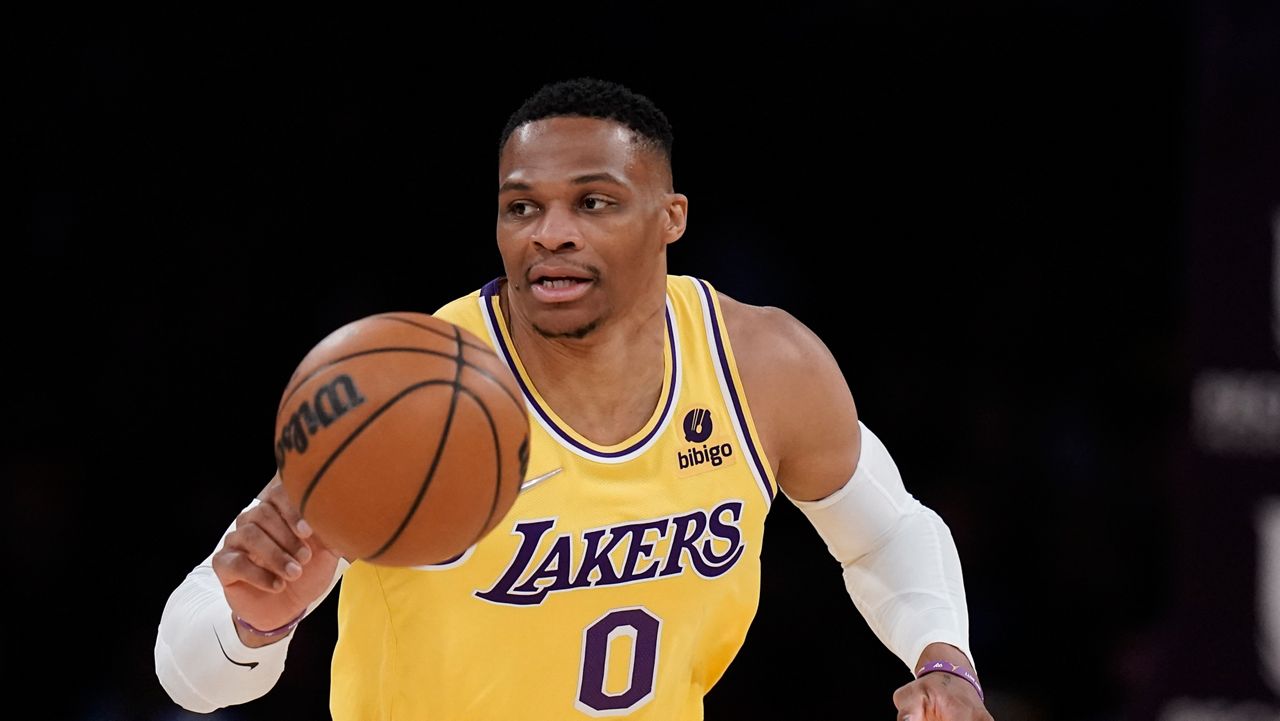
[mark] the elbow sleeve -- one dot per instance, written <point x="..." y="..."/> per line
<point x="910" y="590"/>
<point x="200" y="660"/>
<point x="901" y="565"/>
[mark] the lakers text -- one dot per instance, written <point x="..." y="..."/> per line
<point x="709" y="542"/>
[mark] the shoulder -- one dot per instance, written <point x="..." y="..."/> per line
<point x="464" y="309"/>
<point x="761" y="336"/>
<point x="798" y="395"/>
<point x="768" y="336"/>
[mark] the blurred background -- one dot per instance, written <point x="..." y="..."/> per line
<point x="1041" y="238"/>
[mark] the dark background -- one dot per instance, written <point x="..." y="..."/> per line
<point x="1011" y="222"/>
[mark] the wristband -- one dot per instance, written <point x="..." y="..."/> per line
<point x="273" y="632"/>
<point x="951" y="668"/>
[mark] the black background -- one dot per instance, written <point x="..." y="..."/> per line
<point x="983" y="211"/>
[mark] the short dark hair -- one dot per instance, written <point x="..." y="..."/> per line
<point x="593" y="98"/>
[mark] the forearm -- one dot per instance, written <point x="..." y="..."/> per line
<point x="910" y="589"/>
<point x="901" y="566"/>
<point x="206" y="660"/>
<point x="200" y="659"/>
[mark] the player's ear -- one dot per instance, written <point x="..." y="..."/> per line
<point x="677" y="211"/>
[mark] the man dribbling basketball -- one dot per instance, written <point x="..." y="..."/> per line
<point x="666" y="419"/>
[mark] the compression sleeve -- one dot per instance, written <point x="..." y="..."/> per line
<point x="901" y="565"/>
<point x="200" y="659"/>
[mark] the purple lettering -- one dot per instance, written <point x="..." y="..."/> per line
<point x="689" y="528"/>
<point x="533" y="531"/>
<point x="555" y="567"/>
<point x="695" y="535"/>
<point x="639" y="546"/>
<point x="596" y="558"/>
<point x="726" y="531"/>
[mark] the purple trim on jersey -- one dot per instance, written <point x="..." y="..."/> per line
<point x="733" y="390"/>
<point x="490" y="290"/>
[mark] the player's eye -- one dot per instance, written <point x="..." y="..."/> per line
<point x="595" y="202"/>
<point x="520" y="208"/>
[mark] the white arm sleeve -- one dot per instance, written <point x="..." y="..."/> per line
<point x="200" y="660"/>
<point x="901" y="566"/>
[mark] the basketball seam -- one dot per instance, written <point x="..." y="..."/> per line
<point x="315" y="480"/>
<point x="429" y="329"/>
<point x="458" y="386"/>
<point x="388" y="349"/>
<point x="459" y="364"/>
<point x="399" y="319"/>
<point x="497" y="454"/>
<point x="515" y="398"/>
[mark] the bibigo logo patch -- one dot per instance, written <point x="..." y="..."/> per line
<point x="709" y="446"/>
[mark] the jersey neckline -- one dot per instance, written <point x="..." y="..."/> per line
<point x="555" y="426"/>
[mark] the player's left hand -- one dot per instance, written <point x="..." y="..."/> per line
<point x="939" y="697"/>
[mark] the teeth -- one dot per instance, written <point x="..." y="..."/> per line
<point x="557" y="282"/>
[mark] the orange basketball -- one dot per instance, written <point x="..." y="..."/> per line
<point x="402" y="438"/>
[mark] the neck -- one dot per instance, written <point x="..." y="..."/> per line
<point x="606" y="384"/>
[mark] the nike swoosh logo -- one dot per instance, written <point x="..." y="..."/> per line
<point x="538" y="479"/>
<point x="251" y="665"/>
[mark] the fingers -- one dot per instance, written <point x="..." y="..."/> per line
<point x="275" y="494"/>
<point x="264" y="550"/>
<point x="281" y="522"/>
<point x="264" y="543"/>
<point x="934" y="698"/>
<point x="909" y="700"/>
<point x="233" y="566"/>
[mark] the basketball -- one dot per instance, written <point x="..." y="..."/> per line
<point x="402" y="439"/>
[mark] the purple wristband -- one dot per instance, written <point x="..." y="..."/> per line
<point x="273" y="632"/>
<point x="951" y="668"/>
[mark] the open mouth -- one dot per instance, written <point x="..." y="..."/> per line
<point x="554" y="287"/>
<point x="559" y="283"/>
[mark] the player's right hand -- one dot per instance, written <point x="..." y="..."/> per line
<point x="273" y="566"/>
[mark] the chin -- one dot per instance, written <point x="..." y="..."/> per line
<point x="566" y="328"/>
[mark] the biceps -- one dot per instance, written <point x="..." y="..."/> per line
<point x="854" y="519"/>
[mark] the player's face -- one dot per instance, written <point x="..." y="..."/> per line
<point x="584" y="218"/>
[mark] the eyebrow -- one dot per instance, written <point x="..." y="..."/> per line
<point x="596" y="178"/>
<point x="580" y="180"/>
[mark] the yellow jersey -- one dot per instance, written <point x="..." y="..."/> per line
<point x="621" y="583"/>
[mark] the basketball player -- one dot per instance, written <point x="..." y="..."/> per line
<point x="666" y="419"/>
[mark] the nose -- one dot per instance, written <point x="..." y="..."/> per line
<point x="557" y="229"/>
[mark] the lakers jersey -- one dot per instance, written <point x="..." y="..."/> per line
<point x="621" y="583"/>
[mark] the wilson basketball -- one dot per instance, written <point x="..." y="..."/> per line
<point x="402" y="439"/>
